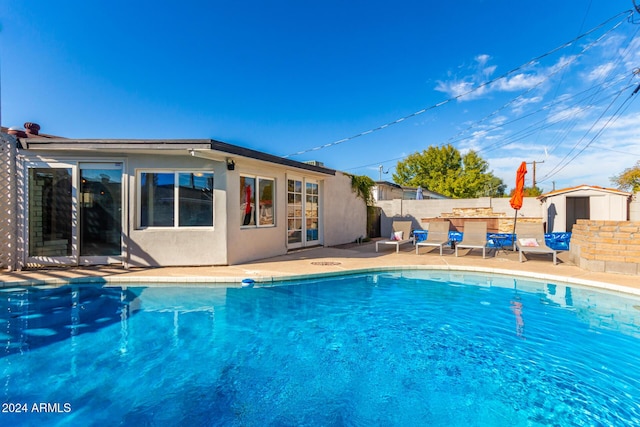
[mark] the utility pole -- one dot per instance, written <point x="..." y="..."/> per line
<point x="381" y="169"/>
<point x="534" y="171"/>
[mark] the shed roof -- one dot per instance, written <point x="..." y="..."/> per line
<point x="581" y="188"/>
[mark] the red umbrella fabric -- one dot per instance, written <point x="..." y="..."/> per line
<point x="518" y="193"/>
<point x="516" y="198"/>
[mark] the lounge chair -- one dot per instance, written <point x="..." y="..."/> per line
<point x="438" y="235"/>
<point x="530" y="239"/>
<point x="401" y="234"/>
<point x="474" y="236"/>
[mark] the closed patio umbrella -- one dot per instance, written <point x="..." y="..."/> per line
<point x="518" y="195"/>
<point x="419" y="195"/>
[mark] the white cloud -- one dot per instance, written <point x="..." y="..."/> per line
<point x="499" y="120"/>
<point x="475" y="83"/>
<point x="616" y="149"/>
<point x="591" y="167"/>
<point x="482" y="59"/>
<point x="582" y="87"/>
<point x="562" y="63"/>
<point x="518" y="105"/>
<point x="472" y="85"/>
<point x="560" y="115"/>
<point x="600" y="72"/>
<point x="483" y="69"/>
<point x="518" y="82"/>
<point x="460" y="89"/>
<point x="623" y="133"/>
<point x="631" y="54"/>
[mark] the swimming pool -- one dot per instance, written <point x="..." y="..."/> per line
<point x="390" y="348"/>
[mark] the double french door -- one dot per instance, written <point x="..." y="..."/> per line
<point x="74" y="213"/>
<point x="303" y="212"/>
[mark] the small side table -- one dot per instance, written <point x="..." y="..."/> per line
<point x="499" y="241"/>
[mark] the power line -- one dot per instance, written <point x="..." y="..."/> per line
<point x="528" y="130"/>
<point x="376" y="163"/>
<point x="547" y="106"/>
<point x="546" y="123"/>
<point x="618" y="60"/>
<point x="524" y="132"/>
<point x="470" y="91"/>
<point x="619" y="151"/>
<point x="611" y="119"/>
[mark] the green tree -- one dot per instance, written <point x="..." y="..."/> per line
<point x="495" y="188"/>
<point x="445" y="171"/>
<point x="629" y="179"/>
<point x="529" y="191"/>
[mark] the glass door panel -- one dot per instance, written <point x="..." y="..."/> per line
<point x="100" y="211"/>
<point x="294" y="212"/>
<point x="312" y="212"/>
<point x="50" y="210"/>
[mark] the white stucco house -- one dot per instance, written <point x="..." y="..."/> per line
<point x="385" y="190"/>
<point x="167" y="202"/>
<point x="562" y="208"/>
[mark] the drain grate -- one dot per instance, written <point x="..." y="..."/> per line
<point x="325" y="263"/>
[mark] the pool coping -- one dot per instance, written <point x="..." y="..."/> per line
<point x="236" y="282"/>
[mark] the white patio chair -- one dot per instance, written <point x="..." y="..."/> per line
<point x="401" y="234"/>
<point x="437" y="236"/>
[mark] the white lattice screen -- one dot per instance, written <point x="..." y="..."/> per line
<point x="9" y="182"/>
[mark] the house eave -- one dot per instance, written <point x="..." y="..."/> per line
<point x="205" y="147"/>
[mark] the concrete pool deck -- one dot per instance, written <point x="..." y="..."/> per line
<point x="335" y="260"/>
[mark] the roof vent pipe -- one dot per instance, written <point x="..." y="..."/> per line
<point x="32" y="128"/>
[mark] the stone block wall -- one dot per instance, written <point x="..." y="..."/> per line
<point x="473" y="212"/>
<point x="498" y="222"/>
<point x="606" y="246"/>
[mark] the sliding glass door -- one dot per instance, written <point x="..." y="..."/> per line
<point x="74" y="213"/>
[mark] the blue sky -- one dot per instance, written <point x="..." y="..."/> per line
<point x="285" y="77"/>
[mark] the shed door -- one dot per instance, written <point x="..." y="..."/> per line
<point x="577" y="208"/>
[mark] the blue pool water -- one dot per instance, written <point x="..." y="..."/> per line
<point x="396" y="349"/>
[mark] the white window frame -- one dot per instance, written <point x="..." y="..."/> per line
<point x="256" y="198"/>
<point x="176" y="196"/>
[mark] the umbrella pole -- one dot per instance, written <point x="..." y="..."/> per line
<point x="513" y="234"/>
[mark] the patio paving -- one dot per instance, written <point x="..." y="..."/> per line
<point x="334" y="260"/>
